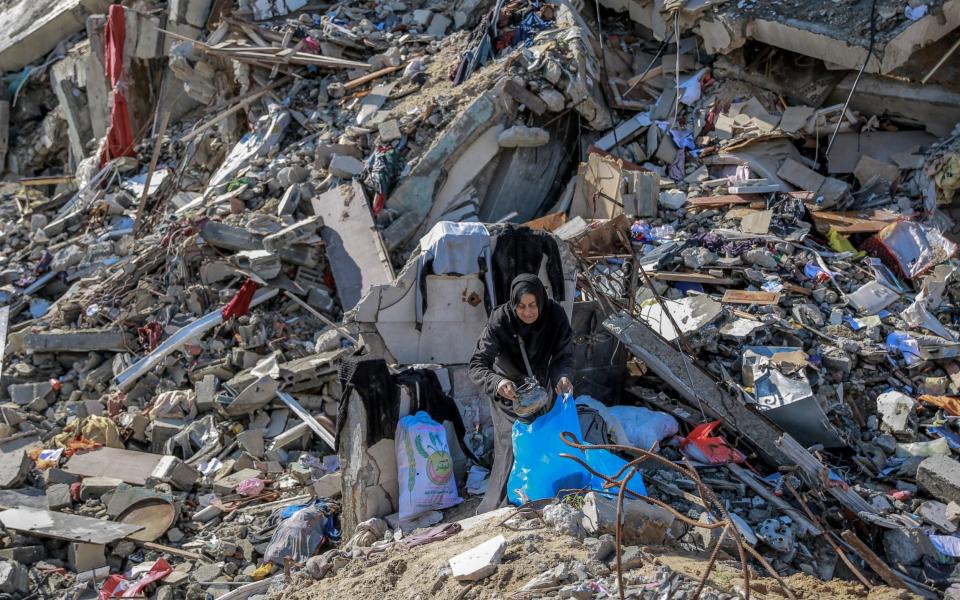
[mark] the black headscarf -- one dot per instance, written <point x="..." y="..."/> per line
<point x="523" y="284"/>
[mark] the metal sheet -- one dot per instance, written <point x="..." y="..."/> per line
<point x="71" y="528"/>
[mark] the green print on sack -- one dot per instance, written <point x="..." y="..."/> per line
<point x="439" y="462"/>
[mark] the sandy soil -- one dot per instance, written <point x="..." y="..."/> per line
<point x="419" y="573"/>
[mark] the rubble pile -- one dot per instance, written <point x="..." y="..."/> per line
<point x="248" y="248"/>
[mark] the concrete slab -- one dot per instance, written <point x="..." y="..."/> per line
<point x="355" y="249"/>
<point x="29" y="29"/>
<point x="480" y="561"/>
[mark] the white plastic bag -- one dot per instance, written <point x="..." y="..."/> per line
<point x="425" y="467"/>
<point x="642" y="426"/>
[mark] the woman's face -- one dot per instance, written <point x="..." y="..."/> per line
<point x="527" y="309"/>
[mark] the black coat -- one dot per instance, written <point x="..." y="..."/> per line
<point x="549" y="350"/>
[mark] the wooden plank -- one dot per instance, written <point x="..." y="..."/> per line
<point x="49" y="180"/>
<point x="353" y="83"/>
<point x="525" y="97"/>
<point x="128" y="465"/>
<point x="721" y="201"/>
<point x="750" y="297"/>
<point x="61" y="526"/>
<point x="879" y="567"/>
<point x="797" y="289"/>
<point x="852" y="222"/>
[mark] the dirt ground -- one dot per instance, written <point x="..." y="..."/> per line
<point x="419" y="573"/>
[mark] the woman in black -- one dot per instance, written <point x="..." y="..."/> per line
<point x="498" y="367"/>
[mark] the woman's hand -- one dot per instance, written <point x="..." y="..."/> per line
<point x="507" y="389"/>
<point x="564" y="387"/>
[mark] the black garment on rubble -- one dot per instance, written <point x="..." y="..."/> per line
<point x="549" y="346"/>
<point x="429" y="397"/>
<point x="377" y="388"/>
<point x="521" y="250"/>
<point x="373" y="382"/>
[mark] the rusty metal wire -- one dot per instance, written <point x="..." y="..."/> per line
<point x="718" y="511"/>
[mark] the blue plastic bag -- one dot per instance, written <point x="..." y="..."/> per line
<point x="540" y="472"/>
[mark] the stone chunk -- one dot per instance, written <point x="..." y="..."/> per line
<point x="520" y="136"/>
<point x="936" y="513"/>
<point x="13" y="578"/>
<point x="26" y="555"/>
<point x="480" y="561"/>
<point x="14" y="467"/>
<point x="86" y="557"/>
<point x="92" y="488"/>
<point x="439" y="25"/>
<point x="345" y="166"/>
<point x="940" y="476"/>
<point x="58" y="496"/>
<point x="329" y="486"/>
<point x="895" y="409"/>
<point x="643" y="523"/>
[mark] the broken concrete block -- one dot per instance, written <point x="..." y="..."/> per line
<point x="895" y="409"/>
<point x="263" y="263"/>
<point x="345" y="166"/>
<point x="92" y="488"/>
<point x="673" y="199"/>
<point x="422" y="16"/>
<point x="554" y="100"/>
<point x="26" y="393"/>
<point x="177" y="473"/>
<point x="439" y="25"/>
<point x="190" y="12"/>
<point x="868" y="168"/>
<point x="799" y="175"/>
<point x="643" y="523"/>
<point x="389" y="130"/>
<point x="328" y="486"/>
<point x="14" y="468"/>
<point x="936" y="513"/>
<point x="58" y="496"/>
<point x="226" y="485"/>
<point x="520" y="136"/>
<point x="14" y="578"/>
<point x="25" y="555"/>
<point x="940" y="476"/>
<point x="251" y="441"/>
<point x="206" y="391"/>
<point x="795" y="117"/>
<point x="86" y="557"/>
<point x="480" y="561"/>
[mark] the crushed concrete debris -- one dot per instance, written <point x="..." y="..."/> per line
<point x="240" y="241"/>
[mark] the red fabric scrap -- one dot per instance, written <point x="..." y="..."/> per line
<point x="703" y="448"/>
<point x="117" y="586"/>
<point x="120" y="132"/>
<point x="150" y="335"/>
<point x="240" y="303"/>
